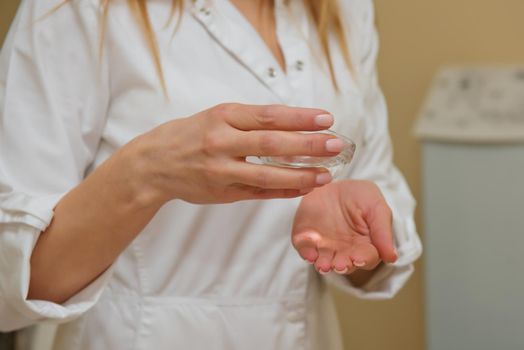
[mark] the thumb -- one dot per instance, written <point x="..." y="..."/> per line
<point x="379" y="220"/>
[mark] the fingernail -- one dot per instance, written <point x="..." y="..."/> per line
<point x="395" y="255"/>
<point x="324" y="120"/>
<point x="323" y="178"/>
<point x="334" y="145"/>
<point x="323" y="272"/>
<point x="342" y="272"/>
<point x="359" y="263"/>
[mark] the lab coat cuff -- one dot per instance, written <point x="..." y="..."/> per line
<point x="388" y="278"/>
<point x="385" y="283"/>
<point x="34" y="211"/>
<point x="24" y="218"/>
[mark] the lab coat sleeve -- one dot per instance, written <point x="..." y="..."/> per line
<point x="374" y="162"/>
<point x="53" y="101"/>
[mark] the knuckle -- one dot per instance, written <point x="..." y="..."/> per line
<point x="267" y="116"/>
<point x="307" y="180"/>
<point x="302" y="181"/>
<point x="309" y="145"/>
<point x="268" y="144"/>
<point x="299" y="120"/>
<point x="214" y="173"/>
<point x="208" y="171"/>
<point x="223" y="109"/>
<point x="214" y="143"/>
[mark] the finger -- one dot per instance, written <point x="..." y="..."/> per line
<point x="306" y="245"/>
<point x="274" y="117"/>
<point x="342" y="263"/>
<point x="365" y="256"/>
<point x="272" y="177"/>
<point x="282" y="143"/>
<point x="324" y="262"/>
<point x="379" y="221"/>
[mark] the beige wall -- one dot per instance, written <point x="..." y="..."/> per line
<point x="7" y="11"/>
<point x="417" y="37"/>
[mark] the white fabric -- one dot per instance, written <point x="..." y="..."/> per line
<point x="223" y="276"/>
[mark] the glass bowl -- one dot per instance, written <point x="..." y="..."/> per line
<point x="335" y="164"/>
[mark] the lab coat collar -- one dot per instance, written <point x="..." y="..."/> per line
<point x="232" y="30"/>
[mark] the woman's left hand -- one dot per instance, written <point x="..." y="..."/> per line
<point x="344" y="226"/>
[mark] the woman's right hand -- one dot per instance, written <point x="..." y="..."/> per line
<point x="202" y="158"/>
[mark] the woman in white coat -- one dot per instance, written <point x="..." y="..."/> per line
<point x="127" y="206"/>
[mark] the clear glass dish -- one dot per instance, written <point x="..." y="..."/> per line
<point x="336" y="164"/>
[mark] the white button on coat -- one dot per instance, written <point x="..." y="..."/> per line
<point x="223" y="276"/>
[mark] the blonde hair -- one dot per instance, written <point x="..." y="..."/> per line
<point x="324" y="13"/>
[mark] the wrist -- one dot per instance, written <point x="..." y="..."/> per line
<point x="136" y="175"/>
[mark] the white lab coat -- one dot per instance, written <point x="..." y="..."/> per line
<point x="198" y="276"/>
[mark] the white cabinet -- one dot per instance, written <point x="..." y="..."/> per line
<point x="472" y="128"/>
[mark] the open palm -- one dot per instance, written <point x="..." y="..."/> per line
<point x="344" y="226"/>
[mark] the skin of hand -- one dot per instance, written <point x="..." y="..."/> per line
<point x="344" y="226"/>
<point x="199" y="159"/>
<point x="202" y="159"/>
